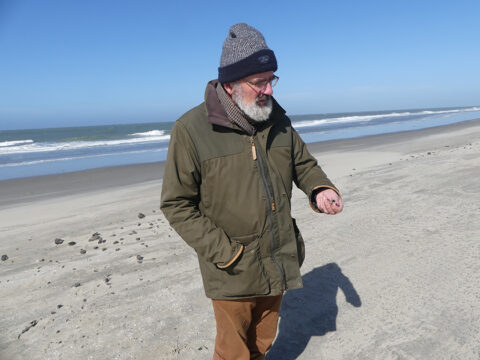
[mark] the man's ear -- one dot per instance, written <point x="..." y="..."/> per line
<point x="228" y="88"/>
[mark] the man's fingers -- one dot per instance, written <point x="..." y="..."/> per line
<point x="328" y="205"/>
<point x="339" y="204"/>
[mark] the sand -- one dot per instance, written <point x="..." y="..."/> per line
<point x="395" y="276"/>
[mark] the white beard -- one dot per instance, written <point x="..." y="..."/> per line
<point x="253" y="111"/>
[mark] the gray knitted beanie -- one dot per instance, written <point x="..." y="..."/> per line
<point x="244" y="53"/>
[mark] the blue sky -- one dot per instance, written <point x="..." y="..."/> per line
<point x="70" y="63"/>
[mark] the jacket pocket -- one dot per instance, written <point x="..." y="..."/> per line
<point x="300" y="243"/>
<point x="246" y="277"/>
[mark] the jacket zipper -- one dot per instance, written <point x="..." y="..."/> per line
<point x="271" y="208"/>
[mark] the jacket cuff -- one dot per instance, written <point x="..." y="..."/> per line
<point x="315" y="191"/>
<point x="233" y="259"/>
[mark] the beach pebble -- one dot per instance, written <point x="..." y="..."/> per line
<point x="141" y="216"/>
<point x="71" y="243"/>
<point x="139" y="257"/>
<point x="83" y="251"/>
<point x="77" y="284"/>
<point x="4" y="257"/>
<point x="59" y="241"/>
<point x="32" y="324"/>
<point x="95" y="236"/>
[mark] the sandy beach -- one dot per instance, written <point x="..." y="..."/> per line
<point x="91" y="269"/>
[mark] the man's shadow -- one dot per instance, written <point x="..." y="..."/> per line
<point x="311" y="311"/>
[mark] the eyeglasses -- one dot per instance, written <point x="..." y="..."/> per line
<point x="261" y="85"/>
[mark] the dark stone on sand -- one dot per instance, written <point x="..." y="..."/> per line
<point x="77" y="284"/>
<point x="137" y="239"/>
<point x="32" y="324"/>
<point x="95" y="236"/>
<point x="139" y="257"/>
<point x="429" y="153"/>
<point x="83" y="251"/>
<point x="71" y="243"/>
<point x="115" y="242"/>
<point x="141" y="216"/>
<point x="59" y="241"/>
<point x="4" y="257"/>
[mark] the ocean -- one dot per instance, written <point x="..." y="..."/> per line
<point x="26" y="153"/>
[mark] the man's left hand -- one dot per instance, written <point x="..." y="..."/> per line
<point x="329" y="202"/>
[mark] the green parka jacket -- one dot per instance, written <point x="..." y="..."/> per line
<point x="227" y="194"/>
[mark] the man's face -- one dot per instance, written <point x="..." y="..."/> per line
<point x="253" y="94"/>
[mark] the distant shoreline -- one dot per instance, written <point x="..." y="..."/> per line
<point x="24" y="190"/>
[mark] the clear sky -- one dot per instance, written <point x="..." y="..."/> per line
<point x="68" y="63"/>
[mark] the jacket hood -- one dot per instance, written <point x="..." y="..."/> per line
<point x="216" y="112"/>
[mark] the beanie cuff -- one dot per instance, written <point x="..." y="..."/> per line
<point x="261" y="61"/>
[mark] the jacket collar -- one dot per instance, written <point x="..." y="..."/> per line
<point x="217" y="114"/>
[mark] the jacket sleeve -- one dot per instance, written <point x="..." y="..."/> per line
<point x="180" y="200"/>
<point x="308" y="176"/>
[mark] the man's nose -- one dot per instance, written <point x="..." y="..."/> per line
<point x="268" y="90"/>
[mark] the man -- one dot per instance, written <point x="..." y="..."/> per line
<point x="227" y="189"/>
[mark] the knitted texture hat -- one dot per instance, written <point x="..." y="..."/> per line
<point x="244" y="53"/>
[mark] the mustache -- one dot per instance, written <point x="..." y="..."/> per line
<point x="263" y="97"/>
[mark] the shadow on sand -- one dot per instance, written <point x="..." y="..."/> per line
<point x="311" y="311"/>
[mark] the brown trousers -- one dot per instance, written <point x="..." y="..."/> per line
<point x="246" y="328"/>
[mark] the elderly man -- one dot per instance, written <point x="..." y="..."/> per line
<point x="227" y="189"/>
